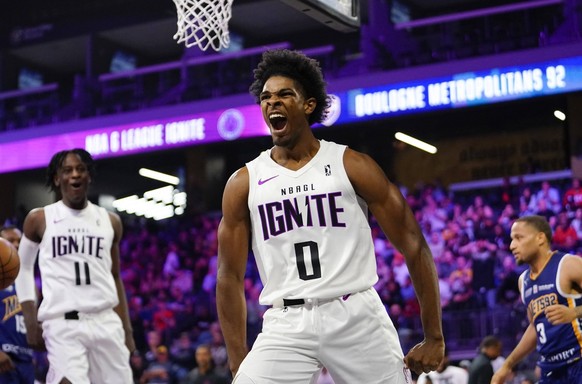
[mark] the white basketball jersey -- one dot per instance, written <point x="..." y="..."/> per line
<point x="75" y="261"/>
<point x="310" y="232"/>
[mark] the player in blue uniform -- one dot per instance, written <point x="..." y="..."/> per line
<point x="551" y="288"/>
<point x="16" y="363"/>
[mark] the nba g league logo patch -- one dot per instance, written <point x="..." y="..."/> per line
<point x="327" y="170"/>
<point x="230" y="124"/>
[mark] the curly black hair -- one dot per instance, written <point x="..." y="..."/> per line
<point x="57" y="162"/>
<point x="297" y="66"/>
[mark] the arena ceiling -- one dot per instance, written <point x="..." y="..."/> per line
<point x="54" y="35"/>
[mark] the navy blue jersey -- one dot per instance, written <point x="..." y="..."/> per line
<point x="557" y="345"/>
<point x="12" y="329"/>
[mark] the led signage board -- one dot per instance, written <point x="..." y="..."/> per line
<point x="462" y="90"/>
<point x="120" y="140"/>
<point x="352" y="105"/>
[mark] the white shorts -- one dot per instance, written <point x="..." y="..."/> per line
<point x="88" y="350"/>
<point x="354" y="338"/>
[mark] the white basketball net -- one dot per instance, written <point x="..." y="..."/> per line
<point x="203" y="23"/>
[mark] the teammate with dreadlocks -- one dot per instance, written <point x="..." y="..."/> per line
<point x="83" y="319"/>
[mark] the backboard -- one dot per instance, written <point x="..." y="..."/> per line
<point x="341" y="15"/>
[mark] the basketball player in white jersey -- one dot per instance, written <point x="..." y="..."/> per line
<point x="83" y="314"/>
<point x="304" y="206"/>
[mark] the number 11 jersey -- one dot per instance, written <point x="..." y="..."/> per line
<point x="75" y="261"/>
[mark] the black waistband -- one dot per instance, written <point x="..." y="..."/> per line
<point x="289" y="302"/>
<point x="72" y="315"/>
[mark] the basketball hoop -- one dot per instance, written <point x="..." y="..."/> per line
<point x="203" y="23"/>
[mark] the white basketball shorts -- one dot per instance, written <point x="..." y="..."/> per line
<point x="90" y="349"/>
<point x="352" y="336"/>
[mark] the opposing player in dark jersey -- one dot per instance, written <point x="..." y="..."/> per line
<point x="16" y="357"/>
<point x="551" y="288"/>
<point x="304" y="204"/>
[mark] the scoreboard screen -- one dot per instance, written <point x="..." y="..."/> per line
<point x="342" y="15"/>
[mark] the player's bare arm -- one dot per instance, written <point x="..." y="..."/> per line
<point x="121" y="308"/>
<point x="571" y="283"/>
<point x="526" y="345"/>
<point x="33" y="229"/>
<point x="34" y="225"/>
<point x="233" y="243"/>
<point x="398" y="223"/>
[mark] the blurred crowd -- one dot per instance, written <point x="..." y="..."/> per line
<point x="169" y="270"/>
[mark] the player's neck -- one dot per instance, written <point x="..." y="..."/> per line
<point x="297" y="156"/>
<point x="540" y="261"/>
<point x="76" y="205"/>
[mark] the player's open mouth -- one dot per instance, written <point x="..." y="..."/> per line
<point x="278" y="121"/>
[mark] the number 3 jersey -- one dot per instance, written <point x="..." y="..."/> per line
<point x="310" y="233"/>
<point x="560" y="344"/>
<point x="75" y="261"/>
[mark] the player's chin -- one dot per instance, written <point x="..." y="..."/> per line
<point x="519" y="262"/>
<point x="76" y="198"/>
<point x="279" y="140"/>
